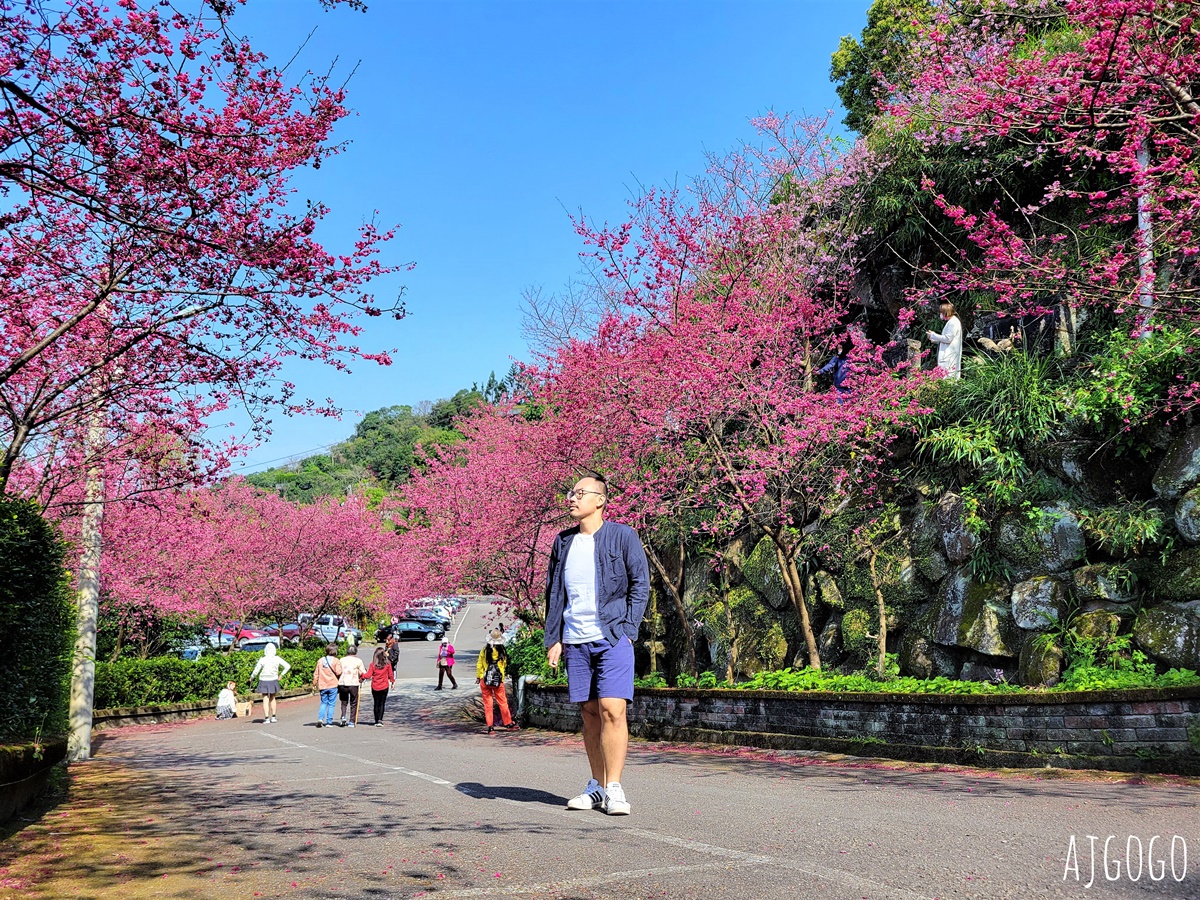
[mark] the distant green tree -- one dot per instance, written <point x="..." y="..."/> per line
<point x="383" y="451"/>
<point x="385" y="441"/>
<point x="323" y="475"/>
<point x="861" y="68"/>
<point x="494" y="390"/>
<point x="444" y="412"/>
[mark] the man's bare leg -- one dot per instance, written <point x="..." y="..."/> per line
<point x="614" y="739"/>
<point x="592" y="738"/>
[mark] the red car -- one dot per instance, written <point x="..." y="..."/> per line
<point x="290" y="632"/>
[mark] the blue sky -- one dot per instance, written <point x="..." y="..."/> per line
<point x="480" y="127"/>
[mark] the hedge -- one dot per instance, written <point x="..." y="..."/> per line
<point x="169" y="679"/>
<point x="37" y="608"/>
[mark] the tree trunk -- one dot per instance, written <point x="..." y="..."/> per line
<point x="1145" y="242"/>
<point x="653" y="631"/>
<point x="675" y="589"/>
<point x="83" y="672"/>
<point x="118" y="644"/>
<point x="731" y="660"/>
<point x="882" y="638"/>
<point x="791" y="577"/>
<point x="1066" y="329"/>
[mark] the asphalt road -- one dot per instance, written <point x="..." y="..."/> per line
<point x="467" y="633"/>
<point x="429" y="806"/>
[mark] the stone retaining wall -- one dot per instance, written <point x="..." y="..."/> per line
<point x="171" y="712"/>
<point x="1137" y="730"/>
<point x="24" y="772"/>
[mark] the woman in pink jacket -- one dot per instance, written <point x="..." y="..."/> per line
<point x="382" y="677"/>
<point x="445" y="664"/>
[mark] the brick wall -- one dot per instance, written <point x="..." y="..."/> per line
<point x="1122" y="730"/>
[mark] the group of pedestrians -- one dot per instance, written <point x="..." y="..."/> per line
<point x="343" y="678"/>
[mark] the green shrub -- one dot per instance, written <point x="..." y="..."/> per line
<point x="1093" y="678"/>
<point x="1016" y="394"/>
<point x="37" y="608"/>
<point x="168" y="679"/>
<point x="1128" y="379"/>
<point x="527" y="656"/>
<point x="1127" y="529"/>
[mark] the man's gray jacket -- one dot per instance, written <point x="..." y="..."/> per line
<point x="622" y="582"/>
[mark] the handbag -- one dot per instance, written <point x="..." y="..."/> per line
<point x="492" y="676"/>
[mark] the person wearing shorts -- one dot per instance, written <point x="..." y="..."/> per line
<point x="597" y="589"/>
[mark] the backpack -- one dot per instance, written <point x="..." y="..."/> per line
<point x="492" y="677"/>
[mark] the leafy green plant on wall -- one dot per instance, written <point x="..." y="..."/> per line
<point x="1128" y="529"/>
<point x="1127" y="382"/>
<point x="1103" y="660"/>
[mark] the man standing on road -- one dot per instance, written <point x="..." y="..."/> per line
<point x="596" y="594"/>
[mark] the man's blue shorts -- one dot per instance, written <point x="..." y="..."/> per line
<point x="599" y="670"/>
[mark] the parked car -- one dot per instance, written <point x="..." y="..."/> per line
<point x="231" y="631"/>
<point x="192" y="651"/>
<point x="412" y="630"/>
<point x="448" y="605"/>
<point x="334" y="628"/>
<point x="257" y="645"/>
<point x="427" y="615"/>
<point x="290" y="632"/>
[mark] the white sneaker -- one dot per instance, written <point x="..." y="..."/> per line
<point x="615" y="803"/>
<point x="591" y="798"/>
<point x="272" y="718"/>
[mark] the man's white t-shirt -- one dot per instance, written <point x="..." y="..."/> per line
<point x="581" y="618"/>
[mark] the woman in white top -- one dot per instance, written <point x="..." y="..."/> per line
<point x="269" y="669"/>
<point x="351" y="677"/>
<point x="949" y="342"/>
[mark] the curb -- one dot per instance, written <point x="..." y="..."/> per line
<point x="158" y="713"/>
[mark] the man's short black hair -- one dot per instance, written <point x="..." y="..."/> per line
<point x="596" y="476"/>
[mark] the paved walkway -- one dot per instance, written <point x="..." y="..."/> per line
<point x="430" y="806"/>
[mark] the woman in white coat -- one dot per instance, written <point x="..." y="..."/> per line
<point x="949" y="355"/>
<point x="269" y="669"/>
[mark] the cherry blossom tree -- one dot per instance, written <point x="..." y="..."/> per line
<point x="1099" y="98"/>
<point x="154" y="259"/>
<point x="234" y="552"/>
<point x="483" y="514"/>
<point x="702" y="400"/>
<point x="157" y="268"/>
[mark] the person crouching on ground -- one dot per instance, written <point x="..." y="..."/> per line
<point x="381" y="676"/>
<point x="489" y="675"/>
<point x="445" y="664"/>
<point x="325" y="679"/>
<point x="597" y="589"/>
<point x="227" y="702"/>
<point x="269" y="669"/>
<point x="352" y="675"/>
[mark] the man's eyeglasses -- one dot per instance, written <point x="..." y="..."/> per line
<point x="571" y="495"/>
